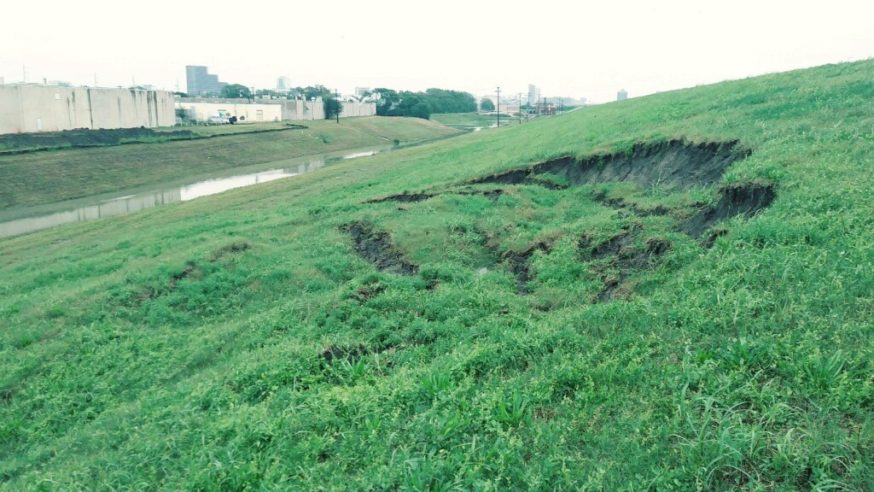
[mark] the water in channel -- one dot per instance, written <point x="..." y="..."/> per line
<point x="33" y="219"/>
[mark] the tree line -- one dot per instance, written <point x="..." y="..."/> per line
<point x="332" y="105"/>
<point x="389" y="102"/>
<point x="422" y="104"/>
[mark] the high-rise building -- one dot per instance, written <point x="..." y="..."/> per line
<point x="283" y="84"/>
<point x="622" y="95"/>
<point x="533" y="95"/>
<point x="200" y="82"/>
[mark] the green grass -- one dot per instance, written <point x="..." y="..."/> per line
<point x="471" y="120"/>
<point x="50" y="176"/>
<point x="243" y="127"/>
<point x="213" y="130"/>
<point x="13" y="144"/>
<point x="239" y="342"/>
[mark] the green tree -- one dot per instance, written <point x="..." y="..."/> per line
<point x="333" y="108"/>
<point x="236" y="91"/>
<point x="413" y="104"/>
<point x="446" y="101"/>
<point x="387" y="101"/>
<point x="269" y="93"/>
<point x="422" y="104"/>
<point x="313" y="91"/>
<point x="487" y="105"/>
<point x="182" y="115"/>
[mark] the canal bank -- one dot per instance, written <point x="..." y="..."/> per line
<point x="24" y="220"/>
<point x="52" y="176"/>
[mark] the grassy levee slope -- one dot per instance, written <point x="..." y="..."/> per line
<point x="467" y="120"/>
<point x="384" y="324"/>
<point x="49" y="176"/>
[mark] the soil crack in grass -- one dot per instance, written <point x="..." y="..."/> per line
<point x="623" y="260"/>
<point x="412" y="197"/>
<point x="405" y="197"/>
<point x="230" y="250"/>
<point x="377" y="247"/>
<point x="519" y="264"/>
<point x="734" y="199"/>
<point x="623" y="204"/>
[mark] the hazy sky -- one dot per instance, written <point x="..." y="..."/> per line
<point x="581" y="48"/>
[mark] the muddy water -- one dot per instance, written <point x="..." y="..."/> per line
<point x="23" y="221"/>
<point x="356" y="155"/>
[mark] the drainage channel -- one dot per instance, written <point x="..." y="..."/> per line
<point x="32" y="219"/>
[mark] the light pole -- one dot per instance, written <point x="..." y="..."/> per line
<point x="498" y="108"/>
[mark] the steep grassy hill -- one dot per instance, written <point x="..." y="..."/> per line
<point x="36" y="178"/>
<point x="673" y="292"/>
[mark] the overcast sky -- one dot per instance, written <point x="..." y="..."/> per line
<point x="573" y="48"/>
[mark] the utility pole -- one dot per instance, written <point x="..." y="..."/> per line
<point x="498" y="108"/>
<point x="337" y="97"/>
<point x="519" y="99"/>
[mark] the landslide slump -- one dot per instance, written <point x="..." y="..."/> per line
<point x="674" y="164"/>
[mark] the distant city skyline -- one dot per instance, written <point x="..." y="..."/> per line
<point x="578" y="50"/>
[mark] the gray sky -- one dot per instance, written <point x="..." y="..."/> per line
<point x="580" y="48"/>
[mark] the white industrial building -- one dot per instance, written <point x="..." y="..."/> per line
<point x="28" y="108"/>
<point x="242" y="109"/>
<point x="203" y="109"/>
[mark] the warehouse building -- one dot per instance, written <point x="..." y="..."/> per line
<point x="28" y="108"/>
<point x="207" y="109"/>
<point x="211" y="110"/>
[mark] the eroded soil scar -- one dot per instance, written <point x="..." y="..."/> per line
<point x="519" y="264"/>
<point x="412" y="197"/>
<point x="377" y="247"/>
<point x="622" y="259"/>
<point x="734" y="199"/>
<point x="675" y="164"/>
